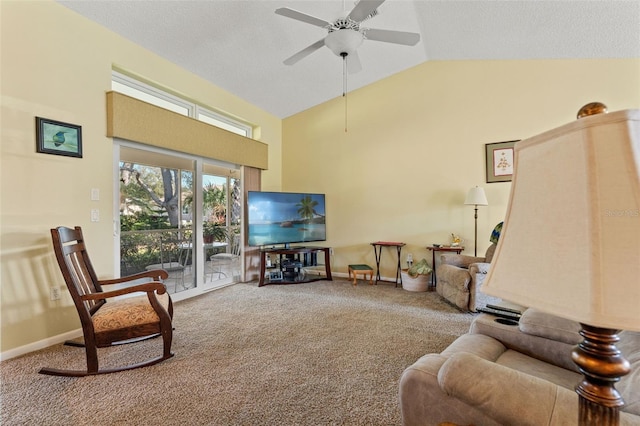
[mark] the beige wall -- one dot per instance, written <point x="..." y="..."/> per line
<point x="56" y="64"/>
<point x="415" y="146"/>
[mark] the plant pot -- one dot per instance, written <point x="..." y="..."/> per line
<point x="419" y="283"/>
<point x="207" y="239"/>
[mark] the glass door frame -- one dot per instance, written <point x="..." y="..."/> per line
<point x="227" y="177"/>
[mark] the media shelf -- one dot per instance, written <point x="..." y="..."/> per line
<point x="287" y="265"/>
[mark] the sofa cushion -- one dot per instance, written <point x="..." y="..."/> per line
<point x="483" y="385"/>
<point x="541" y="324"/>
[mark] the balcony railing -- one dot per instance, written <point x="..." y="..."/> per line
<point x="139" y="249"/>
<point x="169" y="249"/>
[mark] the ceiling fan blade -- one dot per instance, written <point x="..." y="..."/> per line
<point x="294" y="14"/>
<point x="390" y="36"/>
<point x="353" y="63"/>
<point x="304" y="52"/>
<point x="363" y="9"/>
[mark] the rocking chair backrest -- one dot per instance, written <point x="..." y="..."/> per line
<point x="77" y="269"/>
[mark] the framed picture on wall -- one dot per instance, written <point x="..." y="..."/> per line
<point x="499" y="161"/>
<point x="58" y="138"/>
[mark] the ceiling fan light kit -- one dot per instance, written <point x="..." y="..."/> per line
<point x="345" y="34"/>
<point x="344" y="41"/>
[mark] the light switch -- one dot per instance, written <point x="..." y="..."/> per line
<point x="95" y="194"/>
<point x="95" y="215"/>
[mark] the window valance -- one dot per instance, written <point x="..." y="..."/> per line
<point x="131" y="119"/>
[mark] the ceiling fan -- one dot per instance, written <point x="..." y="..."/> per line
<point x="346" y="35"/>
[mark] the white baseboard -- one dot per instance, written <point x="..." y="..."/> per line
<point x="41" y="344"/>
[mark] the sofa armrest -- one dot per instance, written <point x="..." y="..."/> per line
<point x="505" y="395"/>
<point x="479" y="268"/>
<point x="549" y="350"/>
<point x="460" y="260"/>
<point x="538" y="323"/>
<point x="422" y="401"/>
<point x="453" y="275"/>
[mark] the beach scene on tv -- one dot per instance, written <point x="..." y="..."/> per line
<point x="283" y="218"/>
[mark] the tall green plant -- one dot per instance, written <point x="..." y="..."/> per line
<point x="215" y="231"/>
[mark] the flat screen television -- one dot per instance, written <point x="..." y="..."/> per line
<point x="285" y="218"/>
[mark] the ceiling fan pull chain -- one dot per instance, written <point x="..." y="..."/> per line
<point x="344" y="88"/>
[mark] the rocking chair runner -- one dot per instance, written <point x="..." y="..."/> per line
<point x="107" y="321"/>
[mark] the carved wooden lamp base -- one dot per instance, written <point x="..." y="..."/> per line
<point x="602" y="365"/>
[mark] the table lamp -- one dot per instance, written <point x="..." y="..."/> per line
<point x="570" y="245"/>
<point x="476" y="198"/>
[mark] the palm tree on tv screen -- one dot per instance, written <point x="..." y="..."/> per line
<point x="307" y="208"/>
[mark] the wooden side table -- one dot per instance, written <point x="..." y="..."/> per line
<point x="377" y="250"/>
<point x="434" y="249"/>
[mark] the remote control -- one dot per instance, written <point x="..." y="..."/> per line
<point x="499" y="313"/>
<point x="502" y="308"/>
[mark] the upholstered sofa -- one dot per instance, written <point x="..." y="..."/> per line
<point x="460" y="279"/>
<point x="499" y="374"/>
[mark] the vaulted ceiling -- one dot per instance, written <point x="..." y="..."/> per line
<point x="240" y="45"/>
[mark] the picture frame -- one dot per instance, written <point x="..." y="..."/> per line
<point x="499" y="161"/>
<point x="58" y="138"/>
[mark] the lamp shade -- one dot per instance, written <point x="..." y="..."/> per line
<point x="476" y="197"/>
<point x="570" y="245"/>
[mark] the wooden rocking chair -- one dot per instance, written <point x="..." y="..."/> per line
<point x="107" y="321"/>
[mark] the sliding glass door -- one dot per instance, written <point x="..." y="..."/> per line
<point x="180" y="214"/>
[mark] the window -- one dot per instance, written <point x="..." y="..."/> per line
<point x="222" y="122"/>
<point x="155" y="96"/>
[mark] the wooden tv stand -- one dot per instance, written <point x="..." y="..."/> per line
<point x="287" y="265"/>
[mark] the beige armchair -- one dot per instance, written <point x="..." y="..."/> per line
<point x="460" y="277"/>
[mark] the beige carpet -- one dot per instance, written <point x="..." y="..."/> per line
<point x="323" y="353"/>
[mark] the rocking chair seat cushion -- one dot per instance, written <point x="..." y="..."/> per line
<point x="127" y="312"/>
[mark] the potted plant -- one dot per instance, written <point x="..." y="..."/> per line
<point x="416" y="278"/>
<point x="211" y="232"/>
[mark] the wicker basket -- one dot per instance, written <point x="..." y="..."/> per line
<point x="419" y="283"/>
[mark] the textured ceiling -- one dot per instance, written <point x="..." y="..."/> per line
<point x="240" y="45"/>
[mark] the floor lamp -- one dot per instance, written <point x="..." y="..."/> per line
<point x="476" y="198"/>
<point x="586" y="263"/>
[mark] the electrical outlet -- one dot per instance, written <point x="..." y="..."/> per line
<point x="55" y="293"/>
<point x="95" y="215"/>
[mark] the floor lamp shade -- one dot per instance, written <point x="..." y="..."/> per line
<point x="570" y="245"/>
<point x="476" y="197"/>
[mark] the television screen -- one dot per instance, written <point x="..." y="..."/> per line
<point x="285" y="217"/>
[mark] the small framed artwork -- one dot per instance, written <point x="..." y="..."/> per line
<point x="499" y="161"/>
<point x="58" y="138"/>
